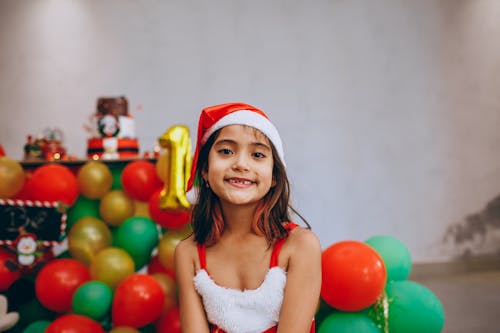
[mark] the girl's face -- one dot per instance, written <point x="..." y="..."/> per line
<point x="240" y="165"/>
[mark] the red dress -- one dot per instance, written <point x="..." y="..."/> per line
<point x="273" y="263"/>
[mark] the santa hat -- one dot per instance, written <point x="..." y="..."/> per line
<point x="216" y="117"/>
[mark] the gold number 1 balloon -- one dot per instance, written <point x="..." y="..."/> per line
<point x="177" y="141"/>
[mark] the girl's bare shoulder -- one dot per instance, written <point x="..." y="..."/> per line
<point x="186" y="248"/>
<point x="302" y="241"/>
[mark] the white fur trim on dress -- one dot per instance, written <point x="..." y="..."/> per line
<point x="243" y="311"/>
<point x="253" y="119"/>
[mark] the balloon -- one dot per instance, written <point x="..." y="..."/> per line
<point x="139" y="180"/>
<point x="111" y="265"/>
<point x="74" y="323"/>
<point x="162" y="167"/>
<point x="11" y="177"/>
<point x="38" y="326"/>
<point x="138" y="301"/>
<point x="138" y="236"/>
<point x="25" y="192"/>
<point x="155" y="266"/>
<point x="169" y="322"/>
<point x="116" y="207"/>
<point x="141" y="208"/>
<point x="95" y="179"/>
<point x="343" y="322"/>
<point x="124" y="329"/>
<point x="167" y="218"/>
<point x="57" y="281"/>
<point x="83" y="207"/>
<point x="169" y="289"/>
<point x="87" y="237"/>
<point x="92" y="299"/>
<point x="7" y="276"/>
<point x="353" y="274"/>
<point x="178" y="142"/>
<point x="413" y="308"/>
<point x="54" y="182"/>
<point x="396" y="256"/>
<point x="166" y="247"/>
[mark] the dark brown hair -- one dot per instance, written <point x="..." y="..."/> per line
<point x="273" y="210"/>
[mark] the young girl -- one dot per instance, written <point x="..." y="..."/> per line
<point x="247" y="268"/>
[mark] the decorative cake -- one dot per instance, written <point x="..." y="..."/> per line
<point x="112" y="131"/>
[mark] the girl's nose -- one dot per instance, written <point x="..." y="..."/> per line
<point x="241" y="162"/>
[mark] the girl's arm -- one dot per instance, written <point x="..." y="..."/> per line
<point x="192" y="314"/>
<point x="303" y="282"/>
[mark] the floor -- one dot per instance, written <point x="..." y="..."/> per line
<point x="471" y="300"/>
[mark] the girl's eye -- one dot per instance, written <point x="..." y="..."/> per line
<point x="259" y="155"/>
<point x="225" y="151"/>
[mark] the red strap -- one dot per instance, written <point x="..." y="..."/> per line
<point x="279" y="243"/>
<point x="202" y="255"/>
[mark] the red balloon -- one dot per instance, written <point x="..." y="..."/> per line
<point x="138" y="301"/>
<point x="354" y="275"/>
<point x="139" y="180"/>
<point x="7" y="277"/>
<point x="73" y="323"/>
<point x="170" y="322"/>
<point x="155" y="266"/>
<point x="167" y="218"/>
<point x="57" y="281"/>
<point x="54" y="182"/>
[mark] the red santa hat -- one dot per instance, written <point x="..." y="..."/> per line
<point x="216" y="117"/>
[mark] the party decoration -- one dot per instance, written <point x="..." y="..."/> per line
<point x="178" y="142"/>
<point x="95" y="179"/>
<point x="169" y="322"/>
<point x="30" y="229"/>
<point x="92" y="299"/>
<point x="413" y="308"/>
<point x="124" y="329"/>
<point x="74" y="323"/>
<point x="7" y="275"/>
<point x="138" y="301"/>
<point x="138" y="236"/>
<point x="169" y="287"/>
<point x="7" y="319"/>
<point x="155" y="266"/>
<point x="38" y="326"/>
<point x="87" y="237"/>
<point x="83" y="207"/>
<point x="353" y="275"/>
<point x="57" y="281"/>
<point x="141" y="208"/>
<point x="139" y="180"/>
<point x="344" y="322"/>
<point x="162" y="167"/>
<point x="111" y="265"/>
<point x="172" y="219"/>
<point x="54" y="182"/>
<point x="11" y="177"/>
<point x="116" y="207"/>
<point x="396" y="256"/>
<point x="166" y="247"/>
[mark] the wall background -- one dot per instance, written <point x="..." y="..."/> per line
<point x="389" y="110"/>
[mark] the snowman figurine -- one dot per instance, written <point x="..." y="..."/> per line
<point x="26" y="249"/>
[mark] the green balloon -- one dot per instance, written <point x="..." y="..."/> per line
<point x="116" y="171"/>
<point x="323" y="311"/>
<point x="413" y="308"/>
<point x="348" y="322"/>
<point x="83" y="207"/>
<point x="92" y="299"/>
<point x="138" y="235"/>
<point x="395" y="254"/>
<point x="37" y="326"/>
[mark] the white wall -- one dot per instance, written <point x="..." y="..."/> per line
<point x="389" y="110"/>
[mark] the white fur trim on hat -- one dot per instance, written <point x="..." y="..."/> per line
<point x="252" y="119"/>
